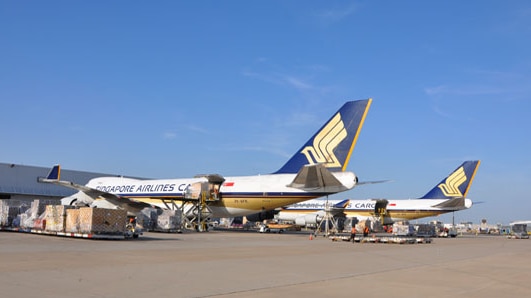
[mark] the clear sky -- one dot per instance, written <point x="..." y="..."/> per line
<point x="170" y="89"/>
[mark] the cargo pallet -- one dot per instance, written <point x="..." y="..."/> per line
<point x="392" y="239"/>
<point x="66" y="234"/>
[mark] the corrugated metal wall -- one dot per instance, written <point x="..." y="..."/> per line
<point x="22" y="179"/>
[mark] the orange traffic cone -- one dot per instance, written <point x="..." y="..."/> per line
<point x="311" y="236"/>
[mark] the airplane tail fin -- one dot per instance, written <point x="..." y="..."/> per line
<point x="457" y="184"/>
<point x="342" y="205"/>
<point x="333" y="144"/>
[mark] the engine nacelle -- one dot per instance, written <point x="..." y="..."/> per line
<point x="309" y="219"/>
<point x="260" y="216"/>
<point x="78" y="199"/>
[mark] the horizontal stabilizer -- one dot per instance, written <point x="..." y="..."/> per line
<point x="373" y="182"/>
<point x="452" y="203"/>
<point x="311" y="177"/>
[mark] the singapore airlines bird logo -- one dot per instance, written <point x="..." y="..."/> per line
<point x="325" y="142"/>
<point x="450" y="187"/>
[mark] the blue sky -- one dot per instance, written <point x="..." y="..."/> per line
<point x="176" y="88"/>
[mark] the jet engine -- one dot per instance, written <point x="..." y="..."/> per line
<point x="78" y="199"/>
<point x="263" y="215"/>
<point x="309" y="219"/>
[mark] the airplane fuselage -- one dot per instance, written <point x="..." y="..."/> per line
<point x="236" y="196"/>
<point x="401" y="210"/>
<point x="396" y="210"/>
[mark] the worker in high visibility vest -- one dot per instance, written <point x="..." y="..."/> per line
<point x="353" y="233"/>
<point x="366" y="231"/>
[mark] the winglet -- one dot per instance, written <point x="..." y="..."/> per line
<point x="333" y="144"/>
<point x="457" y="184"/>
<point x="53" y="175"/>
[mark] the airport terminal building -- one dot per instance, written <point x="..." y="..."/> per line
<point x="19" y="185"/>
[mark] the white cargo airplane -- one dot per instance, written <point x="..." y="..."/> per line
<point x="447" y="196"/>
<point x="317" y="169"/>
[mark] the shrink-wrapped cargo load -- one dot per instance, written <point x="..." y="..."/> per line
<point x="72" y="221"/>
<point x="7" y="213"/>
<point x="100" y="220"/>
<point x="55" y="218"/>
<point x="146" y="219"/>
<point x="169" y="221"/>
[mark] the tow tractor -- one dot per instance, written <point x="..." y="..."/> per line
<point x="274" y="228"/>
<point x="132" y="230"/>
<point x="519" y="231"/>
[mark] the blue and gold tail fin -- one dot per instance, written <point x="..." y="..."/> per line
<point x="55" y="173"/>
<point x="333" y="144"/>
<point x="457" y="184"/>
<point x="342" y="205"/>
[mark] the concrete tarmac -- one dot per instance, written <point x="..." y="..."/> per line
<point x="244" y="264"/>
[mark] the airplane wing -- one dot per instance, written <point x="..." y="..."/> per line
<point x="124" y="203"/>
<point x="303" y="216"/>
